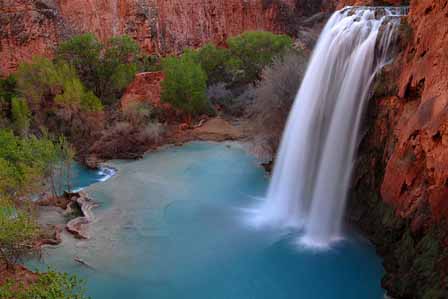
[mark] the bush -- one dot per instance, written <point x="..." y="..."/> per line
<point x="83" y="53"/>
<point x="8" y="88"/>
<point x="250" y="52"/>
<point x="105" y="69"/>
<point x="274" y="96"/>
<point x="213" y="61"/>
<point x="138" y="113"/>
<point x="24" y="162"/>
<point x="50" y="285"/>
<point x="18" y="231"/>
<point x="124" y="140"/>
<point x="20" y="115"/>
<point x="44" y="81"/>
<point x="58" y="99"/>
<point x="185" y="85"/>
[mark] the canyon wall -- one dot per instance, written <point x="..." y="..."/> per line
<point x="35" y="27"/>
<point x="400" y="192"/>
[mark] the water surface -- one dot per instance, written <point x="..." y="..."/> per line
<point x="173" y="225"/>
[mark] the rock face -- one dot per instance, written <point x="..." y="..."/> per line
<point x="34" y="27"/>
<point x="417" y="173"/>
<point x="342" y="3"/>
<point x="400" y="192"/>
<point x="146" y="87"/>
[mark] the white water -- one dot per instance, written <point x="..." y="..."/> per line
<point x="315" y="160"/>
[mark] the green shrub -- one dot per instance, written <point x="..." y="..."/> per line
<point x="250" y="52"/>
<point x="24" y="162"/>
<point x="42" y="81"/>
<point x="50" y="285"/>
<point x="8" y="88"/>
<point x="20" y="115"/>
<point x="106" y="69"/>
<point x="185" y="85"/>
<point x="213" y="61"/>
<point x="18" y="231"/>
<point x="138" y="113"/>
<point x="83" y="53"/>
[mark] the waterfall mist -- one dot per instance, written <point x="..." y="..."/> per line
<point x="313" y="168"/>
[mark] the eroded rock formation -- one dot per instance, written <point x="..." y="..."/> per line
<point x="146" y="87"/>
<point x="401" y="183"/>
<point x="34" y="27"/>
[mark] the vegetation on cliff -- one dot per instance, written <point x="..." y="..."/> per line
<point x="26" y="163"/>
<point x="106" y="69"/>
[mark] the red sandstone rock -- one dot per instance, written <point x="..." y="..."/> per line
<point x="145" y="88"/>
<point x="342" y="3"/>
<point x="417" y="171"/>
<point x="31" y="27"/>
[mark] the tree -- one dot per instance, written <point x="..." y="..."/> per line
<point x="24" y="162"/>
<point x="8" y="88"/>
<point x="185" y="85"/>
<point x="49" y="285"/>
<point x="274" y="96"/>
<point x="213" y="61"/>
<point x="59" y="169"/>
<point x="250" y="52"/>
<point x="58" y="99"/>
<point x="106" y="69"/>
<point x="20" y="115"/>
<point x="83" y="53"/>
<point x="118" y="67"/>
<point x="17" y="232"/>
<point x="42" y="81"/>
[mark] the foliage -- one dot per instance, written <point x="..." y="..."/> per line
<point x="148" y="63"/>
<point x="23" y="161"/>
<point x="126" y="140"/>
<point x="138" y="113"/>
<point x="42" y="80"/>
<point x="213" y="61"/>
<point x="17" y="232"/>
<point x="59" y="168"/>
<point x="49" y="285"/>
<point x="250" y="52"/>
<point x="106" y="69"/>
<point x="7" y="88"/>
<point x="20" y="115"/>
<point x="274" y="96"/>
<point x="185" y="85"/>
<point x="83" y="53"/>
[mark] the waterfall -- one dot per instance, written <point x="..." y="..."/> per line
<point x="315" y="160"/>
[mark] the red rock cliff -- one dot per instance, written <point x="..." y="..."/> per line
<point x="400" y="193"/>
<point x="31" y="27"/>
<point x="416" y="175"/>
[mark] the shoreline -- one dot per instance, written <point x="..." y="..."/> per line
<point x="77" y="227"/>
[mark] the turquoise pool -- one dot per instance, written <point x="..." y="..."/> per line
<point x="174" y="225"/>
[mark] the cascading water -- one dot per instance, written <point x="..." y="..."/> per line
<point x="315" y="160"/>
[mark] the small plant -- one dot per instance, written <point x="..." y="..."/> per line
<point x="17" y="232"/>
<point x="49" y="285"/>
<point x="138" y="113"/>
<point x="20" y="115"/>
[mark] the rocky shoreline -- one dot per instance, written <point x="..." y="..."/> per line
<point x="208" y="129"/>
<point x="214" y="129"/>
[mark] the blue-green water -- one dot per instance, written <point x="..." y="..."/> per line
<point x="82" y="177"/>
<point x="173" y="225"/>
